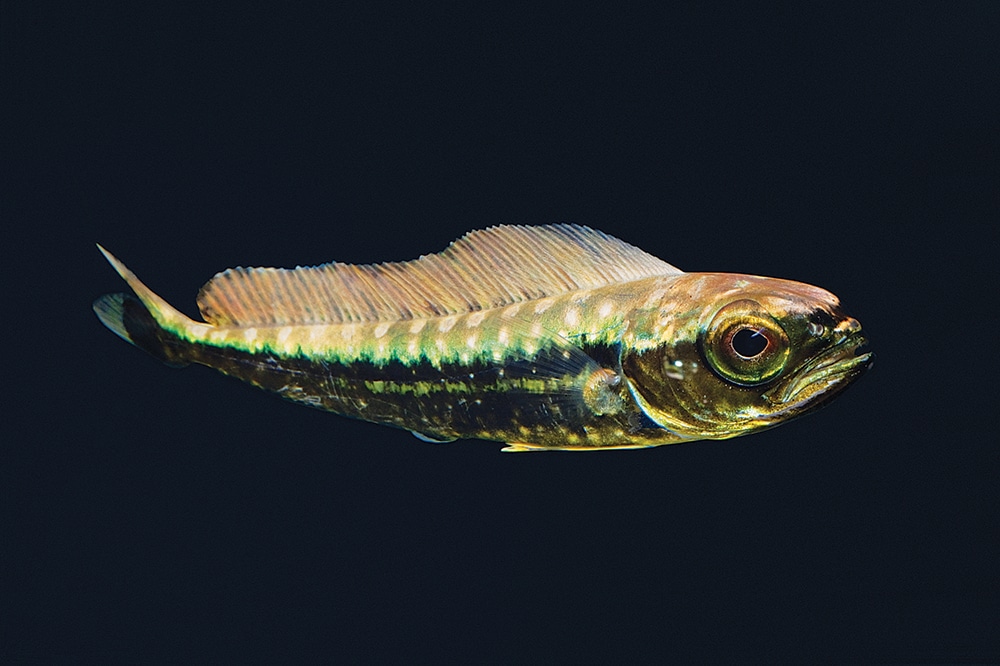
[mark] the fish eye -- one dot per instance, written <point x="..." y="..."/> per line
<point x="745" y="345"/>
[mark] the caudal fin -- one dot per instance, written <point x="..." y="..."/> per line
<point x="110" y="309"/>
<point x="148" y="322"/>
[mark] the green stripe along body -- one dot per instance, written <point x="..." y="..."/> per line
<point x="543" y="374"/>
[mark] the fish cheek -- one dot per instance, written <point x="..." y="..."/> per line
<point x="675" y="389"/>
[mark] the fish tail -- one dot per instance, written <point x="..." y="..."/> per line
<point x="148" y="322"/>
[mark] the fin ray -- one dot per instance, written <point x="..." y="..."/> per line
<point x="483" y="269"/>
<point x="110" y="309"/>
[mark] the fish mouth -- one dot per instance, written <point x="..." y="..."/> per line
<point x="822" y="377"/>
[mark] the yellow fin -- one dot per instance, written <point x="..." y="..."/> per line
<point x="483" y="269"/>
<point x="518" y="447"/>
<point x="521" y="447"/>
<point x="164" y="313"/>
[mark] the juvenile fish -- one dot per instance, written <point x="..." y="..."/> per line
<point x="546" y="337"/>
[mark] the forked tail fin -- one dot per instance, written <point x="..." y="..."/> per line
<point x="148" y="322"/>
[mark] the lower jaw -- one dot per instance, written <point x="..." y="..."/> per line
<point x="807" y="394"/>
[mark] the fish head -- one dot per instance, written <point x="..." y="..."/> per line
<point x="723" y="355"/>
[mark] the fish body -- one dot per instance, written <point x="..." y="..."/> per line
<point x="551" y="337"/>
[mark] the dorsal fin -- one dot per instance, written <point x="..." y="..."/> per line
<point x="483" y="269"/>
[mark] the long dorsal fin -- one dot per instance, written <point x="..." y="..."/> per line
<point x="483" y="269"/>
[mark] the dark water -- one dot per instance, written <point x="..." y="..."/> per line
<point x="156" y="513"/>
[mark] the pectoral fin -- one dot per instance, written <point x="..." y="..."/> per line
<point x="435" y="439"/>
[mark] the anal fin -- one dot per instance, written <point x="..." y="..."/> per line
<point x="521" y="447"/>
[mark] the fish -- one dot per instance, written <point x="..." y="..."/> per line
<point x="551" y="337"/>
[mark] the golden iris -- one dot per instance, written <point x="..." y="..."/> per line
<point x="745" y="344"/>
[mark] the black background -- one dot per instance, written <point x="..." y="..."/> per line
<point x="155" y="514"/>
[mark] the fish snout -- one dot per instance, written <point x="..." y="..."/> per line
<point x="847" y="327"/>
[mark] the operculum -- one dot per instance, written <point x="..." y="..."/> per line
<point x="661" y="380"/>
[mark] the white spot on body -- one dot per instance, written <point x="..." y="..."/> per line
<point x="543" y="305"/>
<point x="470" y="342"/>
<point x="381" y="330"/>
<point x="606" y="308"/>
<point x="511" y="312"/>
<point x="347" y="332"/>
<point x="283" y="334"/>
<point x="250" y="334"/>
<point x="199" y="330"/>
<point x="475" y="319"/>
<point x="655" y="298"/>
<point x="503" y="337"/>
<point x="572" y="317"/>
<point x="446" y="324"/>
<point x="417" y="325"/>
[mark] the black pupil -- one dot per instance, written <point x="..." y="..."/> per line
<point x="749" y="342"/>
